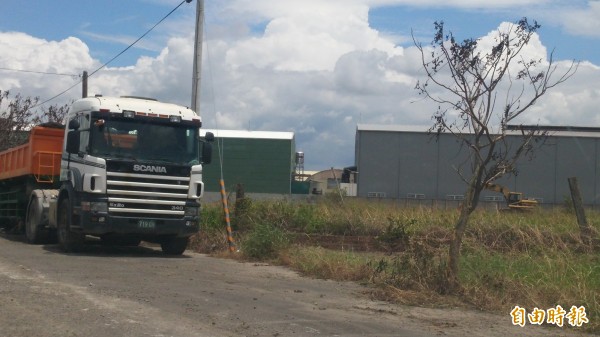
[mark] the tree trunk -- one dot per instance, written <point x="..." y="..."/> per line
<point x="471" y="201"/>
<point x="453" y="283"/>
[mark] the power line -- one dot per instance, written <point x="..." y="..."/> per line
<point x="119" y="54"/>
<point x="141" y="37"/>
<point x="38" y="72"/>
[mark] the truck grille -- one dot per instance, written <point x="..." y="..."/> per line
<point x="143" y="195"/>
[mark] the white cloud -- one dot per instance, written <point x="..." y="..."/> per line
<point x="575" y="102"/>
<point x="307" y="35"/>
<point x="24" y="52"/>
<point x="582" y="21"/>
<point x="533" y="50"/>
<point x="317" y="70"/>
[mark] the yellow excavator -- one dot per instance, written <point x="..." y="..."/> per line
<point x="514" y="200"/>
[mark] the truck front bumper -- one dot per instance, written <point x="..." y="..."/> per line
<point x="101" y="224"/>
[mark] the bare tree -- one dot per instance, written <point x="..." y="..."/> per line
<point x="20" y="115"/>
<point x="15" y="119"/>
<point x="479" y="92"/>
<point x="54" y="114"/>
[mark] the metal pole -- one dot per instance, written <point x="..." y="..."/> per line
<point x="338" y="185"/>
<point x="230" y="241"/>
<point x="84" y="85"/>
<point x="197" y="56"/>
<point x="585" y="231"/>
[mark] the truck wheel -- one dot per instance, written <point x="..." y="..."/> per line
<point x="68" y="240"/>
<point x="174" y="245"/>
<point x="34" y="233"/>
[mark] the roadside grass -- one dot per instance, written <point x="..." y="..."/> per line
<point x="530" y="259"/>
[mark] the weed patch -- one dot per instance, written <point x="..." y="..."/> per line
<point x="532" y="259"/>
<point x="264" y="241"/>
<point x="328" y="264"/>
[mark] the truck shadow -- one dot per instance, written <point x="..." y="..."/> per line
<point x="97" y="249"/>
<point x="94" y="247"/>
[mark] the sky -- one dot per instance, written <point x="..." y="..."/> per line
<point x="314" y="67"/>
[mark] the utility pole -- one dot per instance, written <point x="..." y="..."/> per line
<point x="197" y="56"/>
<point x="84" y="85"/>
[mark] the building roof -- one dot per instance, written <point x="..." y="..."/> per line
<point x="391" y="128"/>
<point x="327" y="174"/>
<point x="219" y="133"/>
<point x="558" y="130"/>
<point x="553" y="130"/>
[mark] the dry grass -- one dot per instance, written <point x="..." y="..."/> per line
<point x="328" y="264"/>
<point x="533" y="259"/>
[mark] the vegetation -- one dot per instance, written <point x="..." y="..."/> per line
<point x="479" y="92"/>
<point x="531" y="259"/>
<point x="20" y="113"/>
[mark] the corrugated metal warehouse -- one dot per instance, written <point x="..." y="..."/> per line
<point x="262" y="161"/>
<point x="403" y="162"/>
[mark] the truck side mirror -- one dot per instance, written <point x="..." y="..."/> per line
<point x="206" y="153"/>
<point x="73" y="142"/>
<point x="209" y="137"/>
<point x="73" y="124"/>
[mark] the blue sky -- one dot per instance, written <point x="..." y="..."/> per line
<point x="405" y="17"/>
<point x="107" y="29"/>
<point x="474" y="23"/>
<point x="313" y="67"/>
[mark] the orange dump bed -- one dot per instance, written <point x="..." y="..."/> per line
<point x="39" y="157"/>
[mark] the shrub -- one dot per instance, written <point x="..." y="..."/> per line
<point x="264" y="242"/>
<point x="396" y="236"/>
<point x="419" y="267"/>
<point x="212" y="218"/>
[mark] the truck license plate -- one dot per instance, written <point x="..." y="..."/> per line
<point x="146" y="224"/>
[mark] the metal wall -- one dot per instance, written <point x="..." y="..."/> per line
<point x="261" y="165"/>
<point x="415" y="165"/>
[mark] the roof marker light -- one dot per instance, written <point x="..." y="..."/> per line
<point x="128" y="113"/>
<point x="175" y="119"/>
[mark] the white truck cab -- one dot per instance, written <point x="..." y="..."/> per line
<point x="131" y="170"/>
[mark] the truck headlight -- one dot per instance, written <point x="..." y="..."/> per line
<point x="99" y="207"/>
<point x="190" y="211"/>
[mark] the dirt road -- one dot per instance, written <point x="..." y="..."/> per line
<point x="115" y="291"/>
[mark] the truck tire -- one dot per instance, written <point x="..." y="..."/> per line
<point x="68" y="240"/>
<point x="174" y="245"/>
<point x="34" y="232"/>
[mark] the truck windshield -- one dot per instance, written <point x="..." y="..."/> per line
<point x="144" y="140"/>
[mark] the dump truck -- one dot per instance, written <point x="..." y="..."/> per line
<point x="514" y="200"/>
<point x="121" y="169"/>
